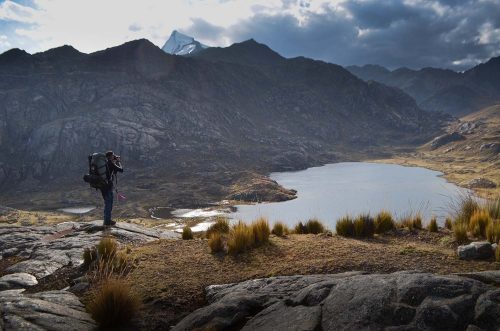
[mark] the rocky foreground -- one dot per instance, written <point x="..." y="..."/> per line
<point x="353" y="301"/>
<point x="41" y="252"/>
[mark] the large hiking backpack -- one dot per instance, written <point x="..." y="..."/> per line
<point x="98" y="168"/>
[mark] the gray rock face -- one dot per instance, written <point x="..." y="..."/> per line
<point x="478" y="250"/>
<point x="19" y="280"/>
<point x="48" y="249"/>
<point x="53" y="310"/>
<point x="351" y="301"/>
<point x="446" y="139"/>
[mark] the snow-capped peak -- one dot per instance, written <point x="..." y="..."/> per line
<point x="180" y="44"/>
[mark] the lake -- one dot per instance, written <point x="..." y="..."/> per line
<point x="334" y="190"/>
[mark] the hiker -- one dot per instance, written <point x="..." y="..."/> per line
<point x="113" y="166"/>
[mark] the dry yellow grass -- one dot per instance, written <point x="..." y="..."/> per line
<point x="114" y="305"/>
<point x="478" y="223"/>
<point x="177" y="271"/>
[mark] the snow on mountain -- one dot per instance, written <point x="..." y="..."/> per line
<point x="180" y="44"/>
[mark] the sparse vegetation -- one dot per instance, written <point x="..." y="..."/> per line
<point x="478" y="223"/>
<point x="221" y="225"/>
<point x="216" y="242"/>
<point x="280" y="229"/>
<point x="241" y="238"/>
<point x="114" y="305"/>
<point x="261" y="230"/>
<point x="384" y="222"/>
<point x="433" y="227"/>
<point x="345" y="226"/>
<point x="187" y="233"/>
<point x="460" y="232"/>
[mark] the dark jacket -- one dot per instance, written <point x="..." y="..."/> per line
<point x="113" y="168"/>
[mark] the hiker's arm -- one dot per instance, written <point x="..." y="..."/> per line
<point x="117" y="166"/>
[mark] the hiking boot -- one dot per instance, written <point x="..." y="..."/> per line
<point x="113" y="223"/>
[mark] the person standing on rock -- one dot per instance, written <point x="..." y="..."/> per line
<point x="113" y="166"/>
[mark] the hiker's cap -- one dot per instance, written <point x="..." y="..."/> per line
<point x="109" y="153"/>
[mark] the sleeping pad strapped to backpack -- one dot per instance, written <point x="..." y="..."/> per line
<point x="98" y="165"/>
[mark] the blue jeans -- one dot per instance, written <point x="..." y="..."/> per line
<point x="108" y="205"/>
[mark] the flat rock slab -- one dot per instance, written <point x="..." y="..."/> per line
<point x="15" y="281"/>
<point x="53" y="310"/>
<point x="49" y="248"/>
<point x="352" y="301"/>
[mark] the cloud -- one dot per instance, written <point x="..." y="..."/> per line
<point x="11" y="11"/>
<point x="134" y="27"/>
<point x="413" y="33"/>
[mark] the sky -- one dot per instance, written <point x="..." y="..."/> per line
<point x="413" y="33"/>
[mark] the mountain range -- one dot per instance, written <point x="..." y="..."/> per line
<point x="186" y="127"/>
<point x="440" y="89"/>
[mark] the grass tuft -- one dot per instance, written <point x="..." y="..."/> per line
<point x="464" y="208"/>
<point x="493" y="208"/>
<point x="493" y="232"/>
<point x="417" y="221"/>
<point x="221" y="225"/>
<point x="433" y="226"/>
<point x="187" y="233"/>
<point x="114" y="305"/>
<point x="314" y="226"/>
<point x="280" y="229"/>
<point x="478" y="223"/>
<point x="345" y="226"/>
<point x="216" y="242"/>
<point x="261" y="230"/>
<point x="448" y="223"/>
<point x="107" y="248"/>
<point x="300" y="228"/>
<point x="364" y="226"/>
<point x="460" y="233"/>
<point x="384" y="222"/>
<point x="241" y="238"/>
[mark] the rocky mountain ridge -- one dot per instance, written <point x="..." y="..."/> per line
<point x="182" y="121"/>
<point x="441" y="89"/>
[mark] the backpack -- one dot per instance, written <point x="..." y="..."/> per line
<point x="98" y="168"/>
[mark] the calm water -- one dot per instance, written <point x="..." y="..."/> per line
<point x="332" y="191"/>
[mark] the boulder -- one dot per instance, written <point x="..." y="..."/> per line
<point x="351" y="301"/>
<point x="19" y="280"/>
<point x="478" y="250"/>
<point x="52" y="310"/>
<point x="481" y="183"/>
<point x="446" y="139"/>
